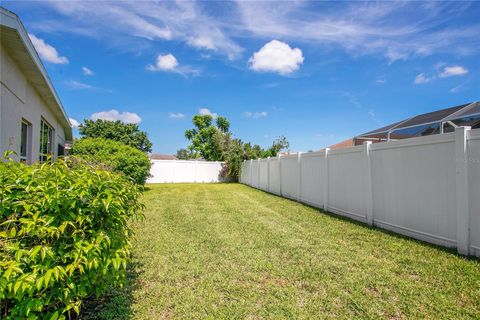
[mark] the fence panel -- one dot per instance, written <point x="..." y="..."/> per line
<point x="184" y="171"/>
<point x="473" y="159"/>
<point x="263" y="174"/>
<point x="289" y="176"/>
<point x="414" y="187"/>
<point x="346" y="182"/>
<point x="274" y="176"/>
<point x="208" y="171"/>
<point x="247" y="173"/>
<point x="426" y="188"/>
<point x="178" y="171"/>
<point x="255" y="173"/>
<point x="312" y="178"/>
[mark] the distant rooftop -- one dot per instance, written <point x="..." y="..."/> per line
<point x="156" y="156"/>
<point x="440" y="121"/>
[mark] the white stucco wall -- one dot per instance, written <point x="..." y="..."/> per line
<point x="19" y="100"/>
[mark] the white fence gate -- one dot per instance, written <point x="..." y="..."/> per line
<point x="426" y="188"/>
<point x="178" y="171"/>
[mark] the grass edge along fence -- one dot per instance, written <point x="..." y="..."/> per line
<point x="425" y="188"/>
<point x="64" y="236"/>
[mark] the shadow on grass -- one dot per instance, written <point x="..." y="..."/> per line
<point x="451" y="251"/>
<point x="116" y="304"/>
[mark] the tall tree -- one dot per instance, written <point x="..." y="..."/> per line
<point x="126" y="133"/>
<point x="185" y="154"/>
<point x="214" y="142"/>
<point x="202" y="137"/>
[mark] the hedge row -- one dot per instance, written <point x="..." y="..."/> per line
<point x="64" y="235"/>
<point x="117" y="156"/>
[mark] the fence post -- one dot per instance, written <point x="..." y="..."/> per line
<point x="325" y="181"/>
<point x="369" y="186"/>
<point x="268" y="174"/>
<point x="299" y="187"/>
<point x="280" y="174"/>
<point x="461" y="190"/>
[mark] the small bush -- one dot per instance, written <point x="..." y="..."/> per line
<point x="64" y="235"/>
<point x="119" y="157"/>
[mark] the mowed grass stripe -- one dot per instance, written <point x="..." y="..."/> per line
<point x="230" y="251"/>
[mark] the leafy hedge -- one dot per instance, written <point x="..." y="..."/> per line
<point x="118" y="156"/>
<point x="64" y="235"/>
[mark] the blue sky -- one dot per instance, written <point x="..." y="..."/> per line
<point x="316" y="72"/>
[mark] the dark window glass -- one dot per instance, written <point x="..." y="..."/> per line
<point x="24" y="142"/>
<point x="46" y="141"/>
<point x="473" y="121"/>
<point x="418" y="131"/>
<point x="60" y="150"/>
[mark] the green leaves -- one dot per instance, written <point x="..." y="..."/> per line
<point x="63" y="235"/>
<point x="126" y="133"/>
<point x="114" y="156"/>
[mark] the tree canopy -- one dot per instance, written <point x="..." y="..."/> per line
<point x="126" y="133"/>
<point x="213" y="141"/>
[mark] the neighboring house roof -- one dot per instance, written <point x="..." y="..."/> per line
<point x="343" y="144"/>
<point x="452" y="113"/>
<point x="15" y="39"/>
<point x="156" y="156"/>
<point x="467" y="114"/>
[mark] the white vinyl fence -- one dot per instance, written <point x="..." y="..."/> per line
<point x="177" y="171"/>
<point x="426" y="188"/>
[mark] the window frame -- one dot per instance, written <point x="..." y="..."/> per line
<point x="25" y="141"/>
<point x="49" y="134"/>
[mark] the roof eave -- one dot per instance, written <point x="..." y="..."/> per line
<point x="11" y="20"/>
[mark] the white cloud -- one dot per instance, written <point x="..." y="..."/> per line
<point x="205" y="111"/>
<point x="88" y="72"/>
<point x="168" y="63"/>
<point x="143" y="22"/>
<point x="72" y="84"/>
<point x="422" y="78"/>
<point x="176" y="115"/>
<point x="459" y="88"/>
<point x="114" y="115"/>
<point x="255" y="115"/>
<point x="46" y="51"/>
<point x="441" y="73"/>
<point x="74" y="123"/>
<point x="164" y="63"/>
<point x="453" y="71"/>
<point x="276" y="56"/>
<point x="397" y="30"/>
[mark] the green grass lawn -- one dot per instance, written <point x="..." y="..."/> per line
<point x="229" y="251"/>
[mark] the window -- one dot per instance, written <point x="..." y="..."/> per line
<point x="46" y="141"/>
<point x="25" y="142"/>
<point x="60" y="150"/>
<point x="418" y="131"/>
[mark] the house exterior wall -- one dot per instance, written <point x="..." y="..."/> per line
<point x="19" y="101"/>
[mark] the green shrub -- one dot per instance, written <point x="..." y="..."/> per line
<point x="64" y="235"/>
<point x="119" y="157"/>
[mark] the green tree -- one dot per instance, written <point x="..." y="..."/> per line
<point x="215" y="142"/>
<point x="126" y="133"/>
<point x="279" y="144"/>
<point x="185" y="154"/>
<point x="204" y="137"/>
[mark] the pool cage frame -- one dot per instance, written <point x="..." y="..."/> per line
<point x="437" y="122"/>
